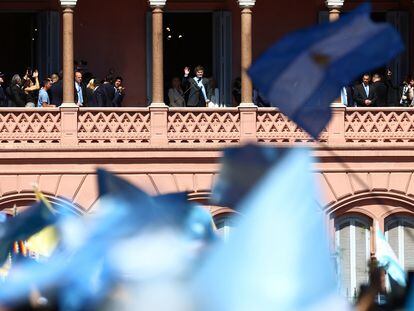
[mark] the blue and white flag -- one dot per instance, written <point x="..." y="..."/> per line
<point x="278" y="259"/>
<point x="304" y="72"/>
<point x="387" y="258"/>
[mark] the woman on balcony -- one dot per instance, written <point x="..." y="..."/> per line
<point x="31" y="88"/>
<point x="176" y="94"/>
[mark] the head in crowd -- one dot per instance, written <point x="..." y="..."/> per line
<point x="93" y="83"/>
<point x="78" y="77"/>
<point x="199" y="71"/>
<point x="176" y="83"/>
<point x="16" y="80"/>
<point x="109" y="78"/>
<point x="1" y="78"/>
<point x="54" y="77"/>
<point x="118" y="82"/>
<point x="366" y="79"/>
<point x="28" y="83"/>
<point x="47" y="83"/>
<point x="376" y="77"/>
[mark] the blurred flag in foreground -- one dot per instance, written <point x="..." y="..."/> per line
<point x="387" y="258"/>
<point x="278" y="259"/>
<point x="241" y="169"/>
<point x="23" y="226"/>
<point x="304" y="72"/>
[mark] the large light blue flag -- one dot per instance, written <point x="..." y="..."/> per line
<point x="387" y="258"/>
<point x="278" y="258"/>
<point x="304" y="72"/>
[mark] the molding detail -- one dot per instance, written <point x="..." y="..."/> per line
<point x="157" y="3"/>
<point x="68" y="3"/>
<point x="246" y="3"/>
<point x="334" y="4"/>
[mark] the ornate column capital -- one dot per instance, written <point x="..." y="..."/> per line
<point x="157" y="3"/>
<point x="334" y="4"/>
<point x="68" y="3"/>
<point x="246" y="4"/>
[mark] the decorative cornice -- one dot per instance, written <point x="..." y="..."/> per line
<point x="334" y="4"/>
<point x="246" y="3"/>
<point x="68" y="3"/>
<point x="157" y="3"/>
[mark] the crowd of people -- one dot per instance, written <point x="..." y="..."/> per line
<point x="30" y="92"/>
<point x="198" y="91"/>
<point x="379" y="91"/>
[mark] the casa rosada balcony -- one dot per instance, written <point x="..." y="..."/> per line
<point x="196" y="128"/>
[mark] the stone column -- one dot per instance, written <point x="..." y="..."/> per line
<point x="68" y="62"/>
<point x="334" y="7"/>
<point x="157" y="53"/>
<point x="246" y="51"/>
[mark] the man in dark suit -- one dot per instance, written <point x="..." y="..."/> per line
<point x="56" y="91"/>
<point x="197" y="90"/>
<point x="364" y="95"/>
<point x="80" y="90"/>
<point x="380" y="91"/>
<point x="3" y="101"/>
<point x="105" y="93"/>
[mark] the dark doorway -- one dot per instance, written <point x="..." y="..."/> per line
<point x="18" y="42"/>
<point x="188" y="41"/>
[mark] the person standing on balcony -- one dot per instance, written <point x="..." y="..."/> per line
<point x="31" y="88"/>
<point x="198" y="88"/>
<point x="364" y="94"/>
<point x="106" y="92"/>
<point x="119" y="92"/>
<point x="394" y="91"/>
<point x="80" y="90"/>
<point x="380" y="90"/>
<point x="56" y="91"/>
<point x="3" y="99"/>
<point x="16" y="93"/>
<point x="176" y="94"/>
<point x="43" y="100"/>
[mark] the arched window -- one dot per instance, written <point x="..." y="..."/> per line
<point x="225" y="225"/>
<point x="399" y="231"/>
<point x="353" y="253"/>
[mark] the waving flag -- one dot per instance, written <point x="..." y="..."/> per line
<point x="278" y="259"/>
<point x="304" y="72"/>
<point x="23" y="226"/>
<point x="387" y="258"/>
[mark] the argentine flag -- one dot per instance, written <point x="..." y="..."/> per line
<point x="387" y="258"/>
<point x="304" y="72"/>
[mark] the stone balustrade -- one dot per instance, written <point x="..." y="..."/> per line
<point x="159" y="127"/>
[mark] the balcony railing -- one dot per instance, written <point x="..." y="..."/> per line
<point x="183" y="127"/>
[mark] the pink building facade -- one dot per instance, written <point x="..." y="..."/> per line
<point x="363" y="164"/>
